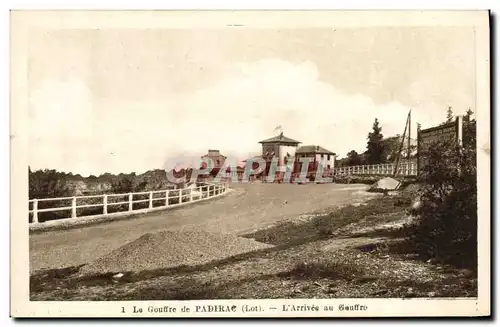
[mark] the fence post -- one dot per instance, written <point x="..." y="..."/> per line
<point x="180" y="196"/>
<point x="130" y="203"/>
<point x="150" y="200"/>
<point x="166" y="197"/>
<point x="73" y="207"/>
<point x="35" y="211"/>
<point x="105" y="204"/>
<point x="201" y="192"/>
<point x="190" y="195"/>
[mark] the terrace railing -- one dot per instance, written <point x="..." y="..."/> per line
<point x="118" y="204"/>
<point x="404" y="169"/>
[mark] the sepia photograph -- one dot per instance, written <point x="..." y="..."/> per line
<point x="322" y="163"/>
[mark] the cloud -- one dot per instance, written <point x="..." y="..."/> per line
<point x="247" y="107"/>
<point x="60" y="125"/>
<point x="232" y="115"/>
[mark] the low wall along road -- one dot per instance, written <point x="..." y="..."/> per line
<point x="404" y="169"/>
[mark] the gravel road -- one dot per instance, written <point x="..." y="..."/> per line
<point x="246" y="208"/>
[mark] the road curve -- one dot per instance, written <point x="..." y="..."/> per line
<point x="247" y="207"/>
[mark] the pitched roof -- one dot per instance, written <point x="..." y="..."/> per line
<point x="213" y="153"/>
<point x="280" y="139"/>
<point x="313" y="149"/>
<point x="217" y="155"/>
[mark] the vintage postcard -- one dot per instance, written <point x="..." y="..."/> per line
<point x="250" y="163"/>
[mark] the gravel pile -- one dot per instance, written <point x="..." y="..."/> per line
<point x="167" y="249"/>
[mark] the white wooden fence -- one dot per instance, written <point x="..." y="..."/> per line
<point x="405" y="169"/>
<point x="169" y="198"/>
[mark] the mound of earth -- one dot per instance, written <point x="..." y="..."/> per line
<point x="167" y="249"/>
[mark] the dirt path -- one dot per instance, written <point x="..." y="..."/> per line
<point x="248" y="207"/>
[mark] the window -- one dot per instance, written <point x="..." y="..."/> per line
<point x="217" y="162"/>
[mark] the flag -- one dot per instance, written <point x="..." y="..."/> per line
<point x="278" y="128"/>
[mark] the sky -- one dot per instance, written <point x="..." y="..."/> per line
<point x="131" y="100"/>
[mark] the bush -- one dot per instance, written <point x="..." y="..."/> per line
<point x="346" y="269"/>
<point x="447" y="226"/>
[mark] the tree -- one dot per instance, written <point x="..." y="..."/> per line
<point x="48" y="184"/>
<point x="468" y="114"/>
<point x="449" y="115"/>
<point x="123" y="184"/>
<point x="469" y="130"/>
<point x="446" y="228"/>
<point x="419" y="127"/>
<point x="353" y="159"/>
<point x="390" y="148"/>
<point x="374" y="152"/>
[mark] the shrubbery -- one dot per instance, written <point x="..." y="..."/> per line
<point x="447" y="226"/>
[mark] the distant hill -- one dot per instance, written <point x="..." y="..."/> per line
<point x="49" y="183"/>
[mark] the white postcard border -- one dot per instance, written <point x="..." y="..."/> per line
<point x="23" y="21"/>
